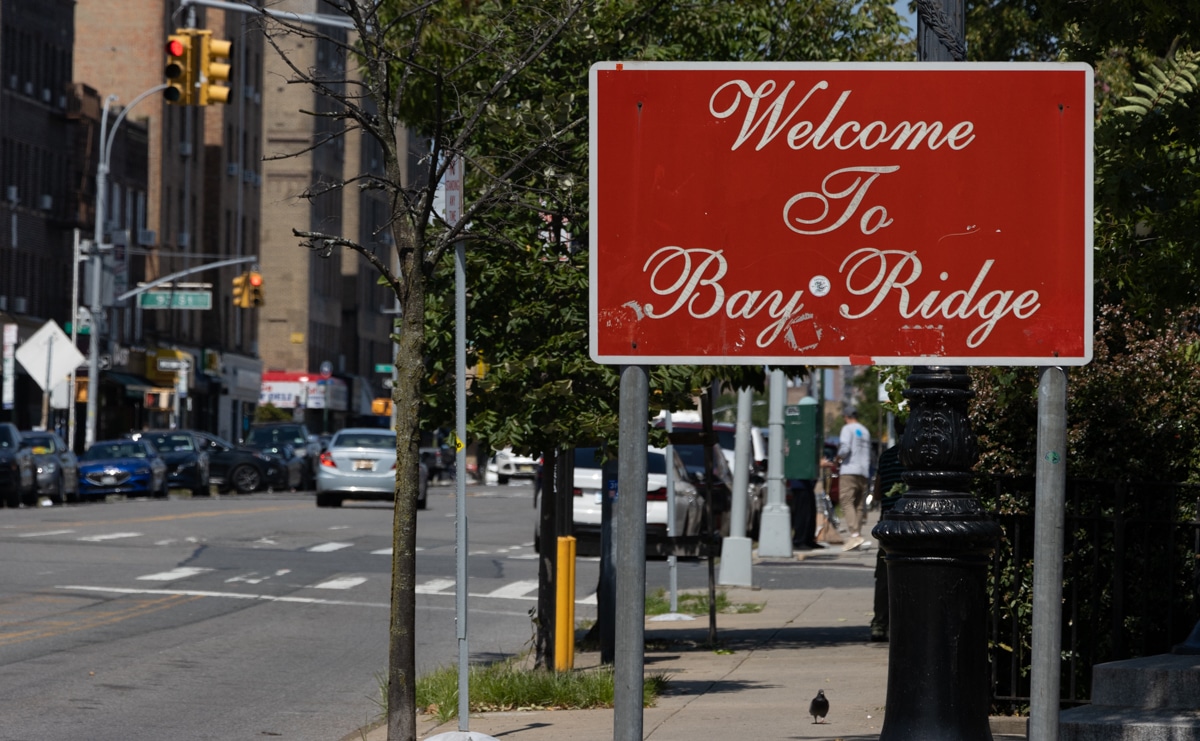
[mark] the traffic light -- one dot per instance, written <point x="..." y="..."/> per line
<point x="213" y="61"/>
<point x="255" y="289"/>
<point x="241" y="294"/>
<point x="180" y="71"/>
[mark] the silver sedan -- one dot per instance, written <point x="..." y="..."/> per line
<point x="360" y="463"/>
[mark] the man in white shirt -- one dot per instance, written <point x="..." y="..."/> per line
<point x="854" y="457"/>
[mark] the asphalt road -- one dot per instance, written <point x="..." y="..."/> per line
<point x="258" y="616"/>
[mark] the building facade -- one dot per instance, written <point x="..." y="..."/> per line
<point x="201" y="208"/>
<point x="324" y="312"/>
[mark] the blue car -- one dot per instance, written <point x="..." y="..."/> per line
<point x="130" y="467"/>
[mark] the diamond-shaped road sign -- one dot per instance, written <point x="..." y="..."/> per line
<point x="48" y="356"/>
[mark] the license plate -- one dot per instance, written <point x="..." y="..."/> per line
<point x="108" y="480"/>
<point x="364" y="465"/>
<point x="525" y="468"/>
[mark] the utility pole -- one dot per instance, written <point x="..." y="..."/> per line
<point x="938" y="539"/>
<point x="98" y="248"/>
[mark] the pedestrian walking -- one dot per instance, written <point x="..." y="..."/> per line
<point x="889" y="486"/>
<point x="804" y="514"/>
<point x="854" y="458"/>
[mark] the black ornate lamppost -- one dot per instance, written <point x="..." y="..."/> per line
<point x="938" y="543"/>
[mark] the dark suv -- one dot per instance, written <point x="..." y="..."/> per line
<point x="273" y="436"/>
<point x="18" y="480"/>
<point x="185" y="456"/>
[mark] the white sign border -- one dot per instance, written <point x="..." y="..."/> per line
<point x="780" y="360"/>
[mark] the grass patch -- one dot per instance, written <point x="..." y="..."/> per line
<point x="507" y="686"/>
<point x="696" y="603"/>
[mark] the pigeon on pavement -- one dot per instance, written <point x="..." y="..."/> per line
<point x="819" y="707"/>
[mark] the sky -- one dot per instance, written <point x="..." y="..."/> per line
<point x="901" y="7"/>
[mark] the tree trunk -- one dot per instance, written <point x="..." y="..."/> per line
<point x="406" y="397"/>
<point x="547" y="564"/>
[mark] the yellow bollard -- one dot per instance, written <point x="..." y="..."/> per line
<point x="564" y="607"/>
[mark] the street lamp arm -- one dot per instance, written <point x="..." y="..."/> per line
<point x="181" y="273"/>
<point x="317" y="19"/>
<point x="106" y="152"/>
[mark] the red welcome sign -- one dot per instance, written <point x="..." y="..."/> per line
<point x="841" y="213"/>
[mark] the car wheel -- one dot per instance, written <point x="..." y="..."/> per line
<point x="325" y="499"/>
<point x="12" y="498"/>
<point x="245" y="479"/>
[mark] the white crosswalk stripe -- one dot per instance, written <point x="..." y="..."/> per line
<point x="329" y="547"/>
<point x="514" y="590"/>
<point x="109" y="536"/>
<point x="345" y="582"/>
<point x="182" y="572"/>
<point x="434" y="586"/>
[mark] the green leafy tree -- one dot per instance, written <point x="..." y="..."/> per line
<point x="527" y="282"/>
<point x="501" y="86"/>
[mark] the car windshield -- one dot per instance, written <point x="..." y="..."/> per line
<point x="656" y="462"/>
<point x="8" y="439"/>
<point x="380" y="441"/>
<point x="38" y="441"/>
<point x="275" y="436"/>
<point x="167" y="443"/>
<point x="100" y="451"/>
<point x="588" y="457"/>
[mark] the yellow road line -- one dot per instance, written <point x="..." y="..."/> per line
<point x="159" y="518"/>
<point x="89" y="619"/>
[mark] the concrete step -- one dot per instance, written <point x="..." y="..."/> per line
<point x="1164" y="681"/>
<point x="1107" y="723"/>
<point x="1154" y="698"/>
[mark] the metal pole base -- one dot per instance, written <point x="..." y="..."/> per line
<point x="735" y="562"/>
<point x="775" y="532"/>
<point x="938" y="542"/>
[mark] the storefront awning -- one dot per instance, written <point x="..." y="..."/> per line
<point x="136" y="387"/>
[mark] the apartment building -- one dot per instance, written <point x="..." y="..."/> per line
<point x="325" y="329"/>
<point x="201" y="206"/>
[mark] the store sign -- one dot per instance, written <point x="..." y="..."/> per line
<point x="841" y="213"/>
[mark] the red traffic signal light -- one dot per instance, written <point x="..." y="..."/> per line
<point x="180" y="71"/>
<point x="255" y="289"/>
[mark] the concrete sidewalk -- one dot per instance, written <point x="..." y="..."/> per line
<point x="757" y="685"/>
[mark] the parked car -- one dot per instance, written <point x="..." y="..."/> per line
<point x="724" y="464"/>
<point x="360" y="463"/>
<point x="130" y="467"/>
<point x="247" y="470"/>
<point x="187" y="462"/>
<point x="506" y="464"/>
<point x="726" y="434"/>
<point x="56" y="466"/>
<point x="589" y="490"/>
<point x="18" y="478"/>
<point x="274" y="435"/>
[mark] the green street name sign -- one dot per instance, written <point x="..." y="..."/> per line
<point x="384" y="368"/>
<point x="175" y="300"/>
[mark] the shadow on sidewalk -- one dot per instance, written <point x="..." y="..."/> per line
<point x="745" y="639"/>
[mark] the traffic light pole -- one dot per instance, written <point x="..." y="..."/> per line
<point x="98" y="248"/>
